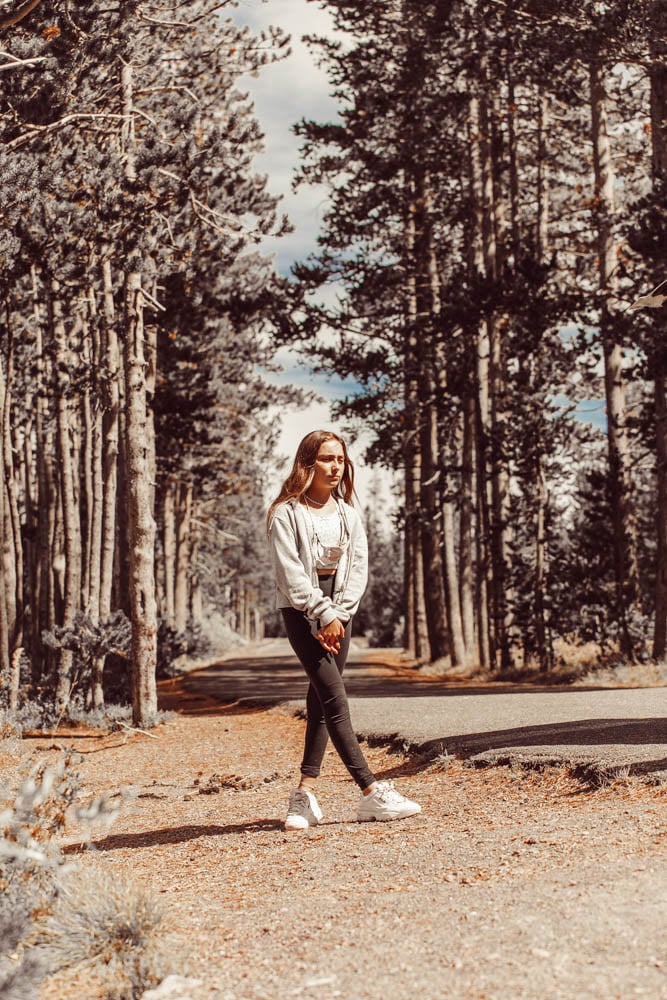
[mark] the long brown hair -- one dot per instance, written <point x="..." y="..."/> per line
<point x="301" y="475"/>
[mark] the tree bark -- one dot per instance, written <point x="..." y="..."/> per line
<point x="500" y="500"/>
<point x="416" y="626"/>
<point x="542" y="176"/>
<point x="110" y="430"/>
<point x="5" y="554"/>
<point x="544" y="647"/>
<point x="482" y="266"/>
<point x="141" y="524"/>
<point x="658" y="79"/>
<point x="68" y="494"/>
<point x="427" y="305"/>
<point x="624" y="527"/>
<point x="139" y="462"/>
<point x="660" y="396"/>
<point x="14" y="545"/>
<point x="89" y="524"/>
<point x="196" y="607"/>
<point x="183" y="543"/>
<point x="466" y="568"/>
<point x="44" y="579"/>
<point x="169" y="550"/>
<point x="105" y="463"/>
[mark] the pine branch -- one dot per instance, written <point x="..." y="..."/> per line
<point x="16" y="62"/>
<point x="40" y="130"/>
<point x="201" y="210"/>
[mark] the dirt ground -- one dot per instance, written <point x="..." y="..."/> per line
<point x="511" y="884"/>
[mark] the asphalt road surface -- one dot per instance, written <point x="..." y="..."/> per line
<point x="622" y="730"/>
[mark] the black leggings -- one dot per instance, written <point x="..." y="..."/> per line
<point x="327" y="710"/>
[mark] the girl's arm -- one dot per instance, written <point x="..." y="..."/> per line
<point x="292" y="579"/>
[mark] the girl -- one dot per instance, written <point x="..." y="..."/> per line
<point x="320" y="561"/>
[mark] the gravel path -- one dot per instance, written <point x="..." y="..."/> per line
<point x="511" y="885"/>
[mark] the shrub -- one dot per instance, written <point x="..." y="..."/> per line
<point x="109" y="926"/>
<point x="51" y="915"/>
<point x="173" y="644"/>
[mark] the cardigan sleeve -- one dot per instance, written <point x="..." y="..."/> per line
<point x="292" y="579"/>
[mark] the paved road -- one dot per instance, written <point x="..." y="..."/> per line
<point x="604" y="731"/>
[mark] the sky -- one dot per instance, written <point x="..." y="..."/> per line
<point x="283" y="93"/>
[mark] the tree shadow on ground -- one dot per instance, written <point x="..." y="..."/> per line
<point x="531" y="744"/>
<point x="172" y="835"/>
<point x="567" y="740"/>
<point x="256" y="682"/>
<point x="580" y="732"/>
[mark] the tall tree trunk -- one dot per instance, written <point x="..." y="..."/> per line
<point x="542" y="176"/>
<point x="44" y="582"/>
<point x="660" y="395"/>
<point x="658" y="78"/>
<point x="544" y="649"/>
<point x="512" y="144"/>
<point x="89" y="524"/>
<point x="141" y="524"/>
<point x="12" y="519"/>
<point x="106" y="465"/>
<point x="409" y="636"/>
<point x="96" y="493"/>
<point x="196" y="607"/>
<point x="458" y="647"/>
<point x="500" y="500"/>
<point x="493" y="171"/>
<point x="466" y="570"/>
<point x="482" y="266"/>
<point x="416" y="626"/>
<point x="624" y="526"/>
<point x="183" y="540"/>
<point x="544" y="652"/>
<point x="140" y="464"/>
<point x="68" y="498"/>
<point x="6" y="625"/>
<point x="110" y="442"/>
<point x="169" y="550"/>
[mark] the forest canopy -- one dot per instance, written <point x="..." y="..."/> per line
<point x="496" y="176"/>
<point x="497" y="182"/>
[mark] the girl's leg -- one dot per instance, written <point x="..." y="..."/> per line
<point x="317" y="734"/>
<point x="327" y="700"/>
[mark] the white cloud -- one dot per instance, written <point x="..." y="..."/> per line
<point x="284" y="93"/>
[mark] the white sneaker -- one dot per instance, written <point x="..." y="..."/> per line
<point x="385" y="803"/>
<point x="303" y="810"/>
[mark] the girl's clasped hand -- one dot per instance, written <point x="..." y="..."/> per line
<point x="331" y="635"/>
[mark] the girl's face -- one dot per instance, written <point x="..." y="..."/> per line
<point x="329" y="466"/>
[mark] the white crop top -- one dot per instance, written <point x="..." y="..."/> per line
<point x="329" y="544"/>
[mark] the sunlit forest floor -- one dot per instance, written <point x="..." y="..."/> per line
<point x="510" y="884"/>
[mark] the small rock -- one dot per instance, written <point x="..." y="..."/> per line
<point x="174" y="988"/>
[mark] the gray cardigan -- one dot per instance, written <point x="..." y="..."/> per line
<point x="291" y="541"/>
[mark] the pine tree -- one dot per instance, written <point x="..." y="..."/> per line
<point x="461" y="263"/>
<point x="127" y="162"/>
